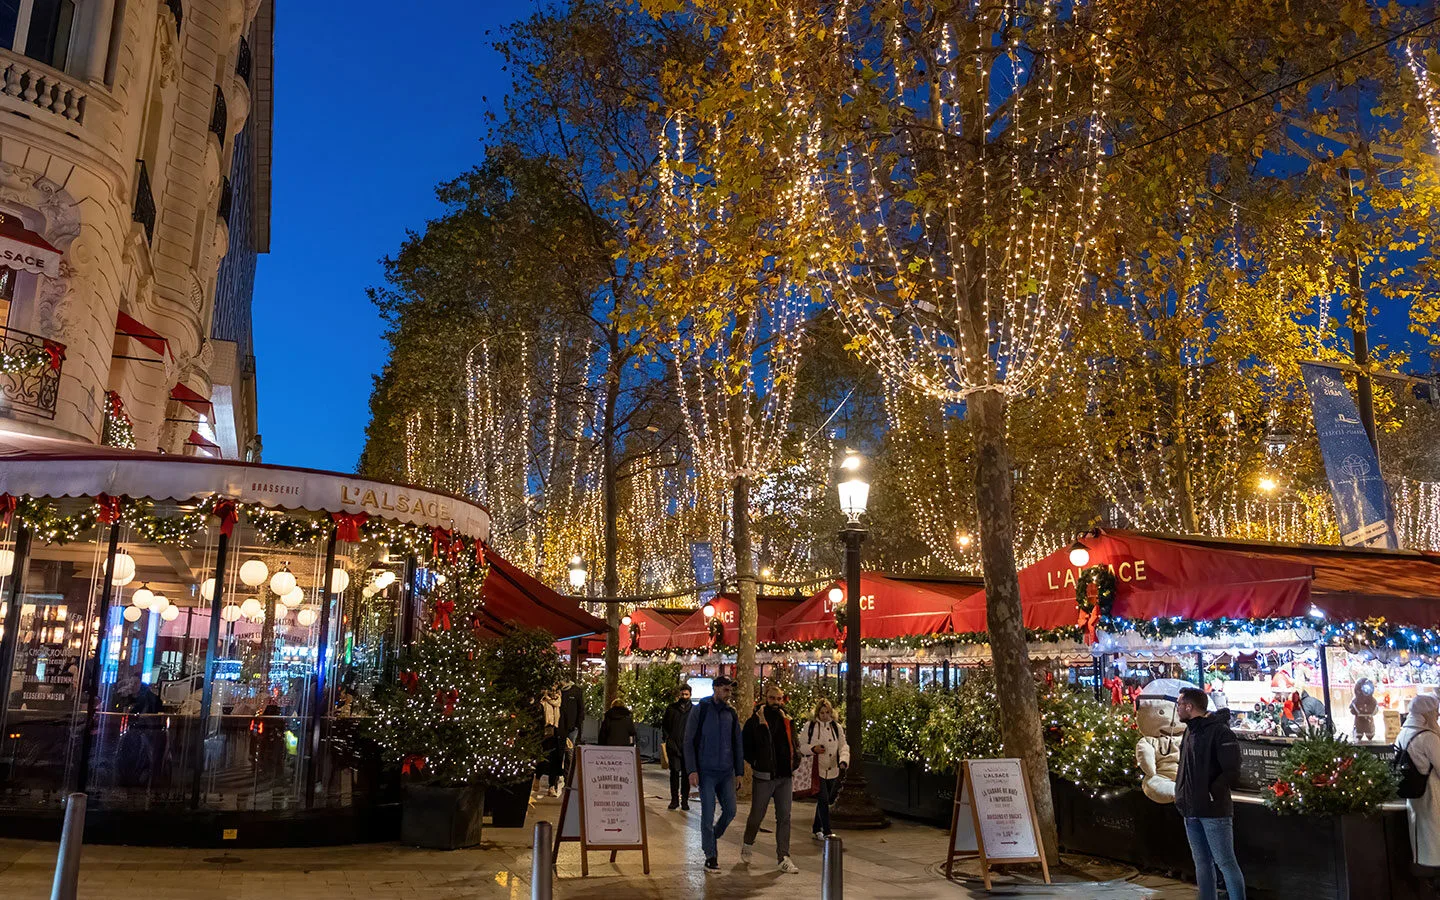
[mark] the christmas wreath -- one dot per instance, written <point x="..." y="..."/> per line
<point x="634" y="636"/>
<point x="840" y="617"/>
<point x="716" y="629"/>
<point x="1091" y="608"/>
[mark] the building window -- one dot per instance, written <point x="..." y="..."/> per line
<point x="7" y="293"/>
<point x="39" y="29"/>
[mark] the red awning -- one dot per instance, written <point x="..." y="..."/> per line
<point x="891" y="607"/>
<point x="656" y="626"/>
<point x="1155" y="578"/>
<point x="515" y="599"/>
<point x="190" y="398"/>
<point x="693" y="632"/>
<point x="199" y="440"/>
<point x="23" y="249"/>
<point x="128" y="326"/>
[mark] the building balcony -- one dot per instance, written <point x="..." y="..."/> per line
<point x="226" y="198"/>
<point x="243" y="61"/>
<point x="220" y="117"/>
<point x="39" y="92"/>
<point x="29" y="373"/>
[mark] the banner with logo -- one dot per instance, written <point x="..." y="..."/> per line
<point x="702" y="562"/>
<point x="1362" y="503"/>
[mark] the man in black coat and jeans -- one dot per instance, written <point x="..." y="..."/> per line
<point x="1209" y="765"/>
<point x="672" y="723"/>
<point x="770" y="749"/>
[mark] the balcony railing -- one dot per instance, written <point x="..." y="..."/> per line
<point x="225" y="199"/>
<point x="29" y="372"/>
<point x="242" y="62"/>
<point x="178" y="10"/>
<point x="38" y="87"/>
<point x="144" y="211"/>
<point x="219" y="118"/>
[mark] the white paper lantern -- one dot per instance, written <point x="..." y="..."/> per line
<point x="7" y="562"/>
<point x="124" y="569"/>
<point x="207" y="589"/>
<point x="230" y="612"/>
<point x="254" y="572"/>
<point x="170" y="613"/>
<point x="282" y="582"/>
<point x="281" y="612"/>
<point x="306" y="617"/>
<point x="384" y="579"/>
<point x="294" y="598"/>
<point x="132" y="614"/>
<point x="367" y="592"/>
<point x="158" y="603"/>
<point x="250" y="608"/>
<point x="142" y="598"/>
<point x="339" y="580"/>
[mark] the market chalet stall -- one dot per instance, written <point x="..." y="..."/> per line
<point x="191" y="641"/>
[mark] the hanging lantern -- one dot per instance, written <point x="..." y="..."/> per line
<point x="142" y="598"/>
<point x="281" y="612"/>
<point x="339" y="580"/>
<point x="294" y="598"/>
<point x="254" y="572"/>
<point x="132" y="614"/>
<point x="306" y="617"/>
<point x="282" y="582"/>
<point x="124" y="569"/>
<point x="251" y="608"/>
<point x="158" y="603"/>
<point x="231" y="613"/>
<point x="7" y="562"/>
<point x="170" y="613"/>
<point x="207" y="589"/>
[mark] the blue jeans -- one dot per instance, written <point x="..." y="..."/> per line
<point x="713" y="786"/>
<point x="1212" y="843"/>
<point x="829" y="788"/>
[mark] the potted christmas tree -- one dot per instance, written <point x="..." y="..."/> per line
<point x="455" y="721"/>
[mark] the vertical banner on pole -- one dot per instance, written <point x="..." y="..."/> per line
<point x="702" y="562"/>
<point x="1362" y="503"/>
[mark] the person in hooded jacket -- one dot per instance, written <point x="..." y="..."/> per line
<point x="1209" y="766"/>
<point x="672" y="722"/>
<point x="823" y="739"/>
<point x="617" y="729"/>
<point x="1420" y="737"/>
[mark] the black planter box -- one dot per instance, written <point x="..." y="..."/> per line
<point x="441" y="818"/>
<point x="508" y="804"/>
<point x="912" y="792"/>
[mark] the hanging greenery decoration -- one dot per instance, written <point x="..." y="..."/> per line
<point x="1104" y="582"/>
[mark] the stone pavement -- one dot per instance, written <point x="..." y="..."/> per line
<point x="900" y="862"/>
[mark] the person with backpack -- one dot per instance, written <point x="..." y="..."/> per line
<point x="1417" y="752"/>
<point x="1209" y="765"/>
<point x="715" y="759"/>
<point x="823" y="741"/>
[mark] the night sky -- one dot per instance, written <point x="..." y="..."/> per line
<point x="373" y="108"/>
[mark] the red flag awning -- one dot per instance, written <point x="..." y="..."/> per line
<point x="515" y="599"/>
<point x="23" y="249"/>
<point x="1155" y="578"/>
<point x="199" y="440"/>
<point x="190" y="398"/>
<point x="127" y="325"/>
<point x="891" y="607"/>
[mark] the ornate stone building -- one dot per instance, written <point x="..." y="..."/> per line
<point x="131" y="133"/>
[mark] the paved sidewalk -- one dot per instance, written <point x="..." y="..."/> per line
<point x="900" y="862"/>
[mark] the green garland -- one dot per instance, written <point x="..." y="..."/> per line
<point x="1104" y="581"/>
<point x="154" y="529"/>
<point x="23" y="358"/>
<point x="47" y="524"/>
<point x="288" y="530"/>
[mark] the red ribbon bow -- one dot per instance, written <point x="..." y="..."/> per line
<point x="412" y="763"/>
<point x="1088" y="621"/>
<point x="446" y="543"/>
<point x="109" y="512"/>
<point x="410" y="681"/>
<point x="347" y="525"/>
<point x="56" y="352"/>
<point x="225" y="511"/>
<point x="443" y="610"/>
<point x="479" y="554"/>
<point x="7" y="508"/>
<point x="449" y="698"/>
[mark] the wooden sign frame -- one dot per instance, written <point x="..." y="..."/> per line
<point x="576" y="785"/>
<point x="963" y="790"/>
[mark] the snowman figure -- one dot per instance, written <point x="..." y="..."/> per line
<point x="1158" y="751"/>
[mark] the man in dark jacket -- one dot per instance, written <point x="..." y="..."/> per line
<point x="672" y="723"/>
<point x="1209" y="765"/>
<point x="572" y="715"/>
<point x="715" y="759"/>
<point x="771" y="752"/>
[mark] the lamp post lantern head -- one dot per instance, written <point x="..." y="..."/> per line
<point x="837" y="596"/>
<point x="1268" y="484"/>
<point x="854" y="490"/>
<point x="708" y="611"/>
<point x="1079" y="555"/>
<point x="626" y="620"/>
<point x="577" y="573"/>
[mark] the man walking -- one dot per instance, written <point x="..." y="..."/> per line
<point x="1209" y="765"/>
<point x="715" y="759"/>
<point x="773" y="757"/>
<point x="673" y="725"/>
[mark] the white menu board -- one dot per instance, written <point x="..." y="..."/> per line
<point x="610" y="788"/>
<point x="1002" y="807"/>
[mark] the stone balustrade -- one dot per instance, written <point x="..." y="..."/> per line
<point x="37" y="86"/>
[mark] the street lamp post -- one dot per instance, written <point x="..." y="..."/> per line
<point x="854" y="808"/>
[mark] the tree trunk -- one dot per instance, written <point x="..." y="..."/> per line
<point x="610" y="489"/>
<point x="1185" y="485"/>
<point x="1014" y="683"/>
<point x="749" y="624"/>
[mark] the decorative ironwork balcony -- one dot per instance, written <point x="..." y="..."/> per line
<point x="225" y="198"/>
<point x="219" y="119"/>
<point x="242" y="61"/>
<point x="29" y="372"/>
<point x="144" y="211"/>
<point x="178" y="10"/>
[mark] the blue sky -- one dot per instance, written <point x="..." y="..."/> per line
<point x="373" y="108"/>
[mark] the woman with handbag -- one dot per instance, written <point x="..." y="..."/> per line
<point x="825" y="748"/>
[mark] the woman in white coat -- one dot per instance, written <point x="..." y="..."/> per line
<point x="824" y="739"/>
<point x="1420" y="737"/>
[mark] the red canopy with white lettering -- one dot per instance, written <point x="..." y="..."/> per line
<point x="1155" y="578"/>
<point x="693" y="632"/>
<point x="890" y="607"/>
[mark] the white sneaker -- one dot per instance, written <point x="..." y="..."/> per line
<point x="554" y="792"/>
<point x="789" y="868"/>
<point x="745" y="851"/>
<point x="820" y="836"/>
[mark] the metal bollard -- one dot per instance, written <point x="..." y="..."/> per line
<point x="832" y="869"/>
<point x="67" y="862"/>
<point x="542" y="872"/>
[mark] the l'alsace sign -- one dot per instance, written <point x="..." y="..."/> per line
<point x="1125" y="572"/>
